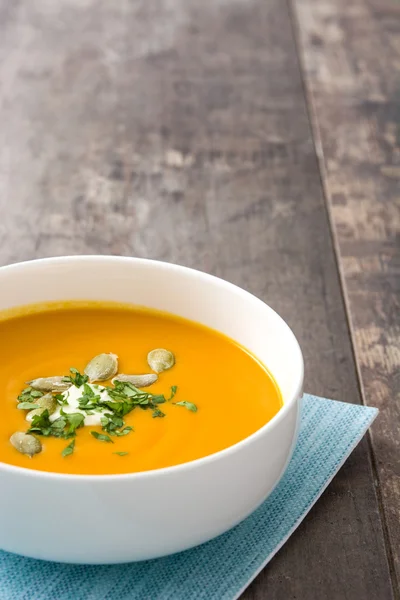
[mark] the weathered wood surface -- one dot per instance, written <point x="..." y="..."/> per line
<point x="179" y="130"/>
<point x="351" y="55"/>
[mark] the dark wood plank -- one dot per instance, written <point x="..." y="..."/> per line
<point x="351" y="54"/>
<point x="178" y="130"/>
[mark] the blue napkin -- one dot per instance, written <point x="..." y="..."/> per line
<point x="223" y="568"/>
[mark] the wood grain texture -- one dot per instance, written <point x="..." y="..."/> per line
<point x="178" y="130"/>
<point x="351" y="54"/>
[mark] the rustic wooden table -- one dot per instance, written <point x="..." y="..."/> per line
<point x="254" y="139"/>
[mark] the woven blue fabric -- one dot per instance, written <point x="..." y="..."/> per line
<point x="222" y="568"/>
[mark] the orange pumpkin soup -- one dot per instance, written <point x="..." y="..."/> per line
<point x="203" y="392"/>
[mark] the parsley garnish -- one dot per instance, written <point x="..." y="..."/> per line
<point x="27" y="405"/>
<point x="61" y="399"/>
<point x="174" y="389"/>
<point x="111" y="422"/>
<point x="74" y="421"/>
<point x="63" y="427"/>
<point x="101" y="437"/>
<point x="158" y="399"/>
<point x="58" y="424"/>
<point x="157" y="413"/>
<point x="189" y="405"/>
<point x="123" y="396"/>
<point x="124" y="431"/>
<point x="29" y="395"/>
<point x="41" y="424"/>
<point x="89" y="400"/>
<point x="76" y="378"/>
<point x="69" y="449"/>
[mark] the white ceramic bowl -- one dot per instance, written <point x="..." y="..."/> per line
<point x="63" y="517"/>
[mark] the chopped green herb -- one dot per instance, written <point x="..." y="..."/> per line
<point x="73" y="422"/>
<point x="174" y="389"/>
<point x="29" y="395"/>
<point x="69" y="449"/>
<point x="111" y="422"/>
<point x="89" y="400"/>
<point x="27" y="405"/>
<point x="88" y="390"/>
<point x="131" y="391"/>
<point x="26" y="391"/>
<point x="101" y="437"/>
<point x="41" y="424"/>
<point x="63" y="427"/>
<point x="123" y="396"/>
<point x="158" y="399"/>
<point x="61" y="399"/>
<point x="58" y="424"/>
<point x="76" y="378"/>
<point x="123" y="431"/>
<point x="121" y="453"/>
<point x="157" y="413"/>
<point x="189" y="405"/>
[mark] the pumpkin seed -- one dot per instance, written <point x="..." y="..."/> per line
<point x="139" y="381"/>
<point x="102" y="367"/>
<point x="50" y="384"/>
<point x="46" y="402"/>
<point x="160" y="360"/>
<point x="25" y="443"/>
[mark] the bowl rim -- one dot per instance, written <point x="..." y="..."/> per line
<point x="198" y="462"/>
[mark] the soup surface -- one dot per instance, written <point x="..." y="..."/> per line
<point x="233" y="393"/>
